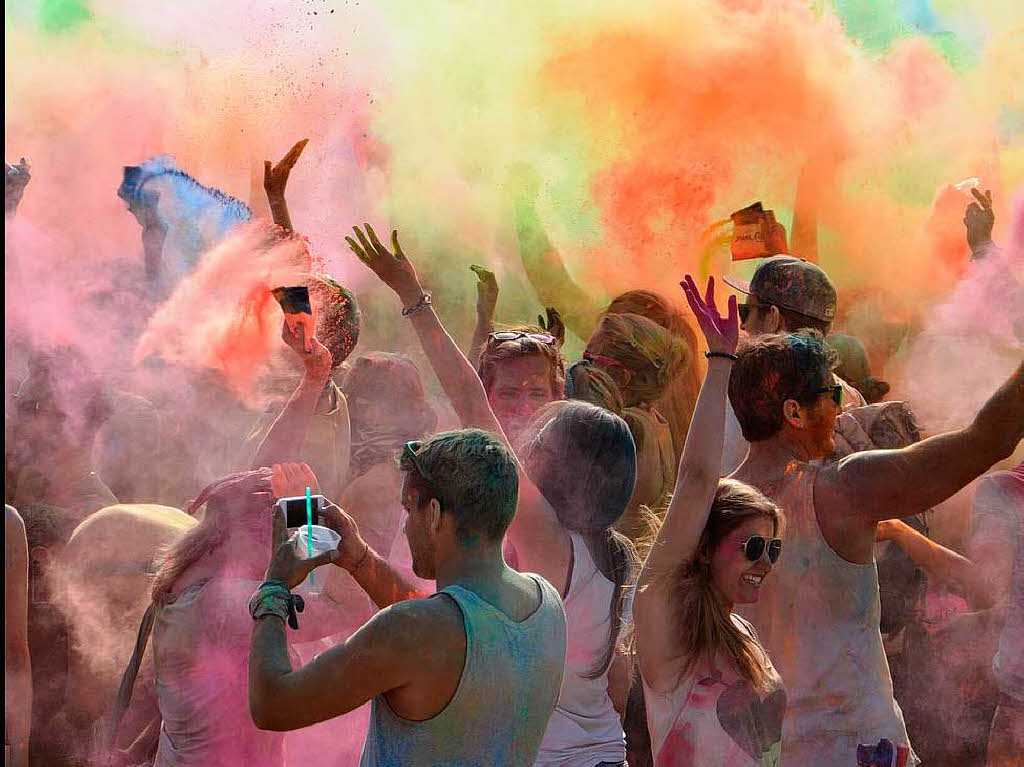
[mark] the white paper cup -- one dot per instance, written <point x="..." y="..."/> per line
<point x="324" y="539"/>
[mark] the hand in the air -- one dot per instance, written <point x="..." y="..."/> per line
<point x="979" y="219"/>
<point x="486" y="292"/>
<point x="291" y="479"/>
<point x="394" y="269"/>
<point x="275" y="177"/>
<point x="297" y="333"/>
<point x="16" y="180"/>
<point x="553" y="325"/>
<point x="722" y="333"/>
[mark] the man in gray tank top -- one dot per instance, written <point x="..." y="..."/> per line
<point x="468" y="676"/>
<point x="818" y="614"/>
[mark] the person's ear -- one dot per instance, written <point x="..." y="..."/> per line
<point x="792" y="412"/>
<point x="434" y="510"/>
<point x="776" y="322"/>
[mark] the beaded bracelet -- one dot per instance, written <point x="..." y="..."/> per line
<point x="274" y="598"/>
<point x="422" y="303"/>
<point x="723" y="355"/>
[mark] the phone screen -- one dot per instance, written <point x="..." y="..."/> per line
<point x="295" y="510"/>
<point x="294" y="300"/>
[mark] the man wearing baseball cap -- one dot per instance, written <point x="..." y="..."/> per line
<point x="786" y="294"/>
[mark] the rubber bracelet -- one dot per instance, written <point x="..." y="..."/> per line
<point x="422" y="303"/>
<point x="274" y="598"/>
<point x="723" y="355"/>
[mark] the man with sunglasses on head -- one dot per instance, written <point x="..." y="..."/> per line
<point x="786" y="294"/>
<point x="819" y="615"/>
<point x="467" y="676"/>
<point x="522" y="369"/>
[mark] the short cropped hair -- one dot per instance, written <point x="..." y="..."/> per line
<point x="473" y="476"/>
<point x="771" y="369"/>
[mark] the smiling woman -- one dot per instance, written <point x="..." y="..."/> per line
<point x="709" y="685"/>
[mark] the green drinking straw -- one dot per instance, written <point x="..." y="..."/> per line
<point x="309" y="529"/>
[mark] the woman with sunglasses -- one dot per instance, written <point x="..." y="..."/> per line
<point x="712" y="694"/>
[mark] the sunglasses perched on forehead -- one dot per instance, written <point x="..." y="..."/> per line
<point x="837" y="393"/>
<point x="755" y="546"/>
<point x="512" y="335"/>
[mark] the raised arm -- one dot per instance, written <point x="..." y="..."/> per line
<point x="696" y="484"/>
<point x="17" y="665"/>
<point x="486" y="302"/>
<point x="459" y="380"/>
<point x="870" y="486"/>
<point x="275" y="179"/>
<point x="540" y="541"/>
<point x="543" y="264"/>
<point x="979" y="219"/>
<point x="284" y="440"/>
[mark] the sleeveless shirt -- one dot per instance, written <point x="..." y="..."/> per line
<point x="585" y="728"/>
<point x="501" y="706"/>
<point x="818" y="619"/>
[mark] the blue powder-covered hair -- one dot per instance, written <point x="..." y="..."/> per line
<point x="195" y="216"/>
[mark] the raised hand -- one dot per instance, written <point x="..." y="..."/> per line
<point x="486" y="292"/>
<point x="285" y="563"/>
<point x="292" y="479"/>
<point x="979" y="219"/>
<point x="275" y="177"/>
<point x="17" y="178"/>
<point x="299" y="337"/>
<point x="553" y="325"/>
<point x="721" y="333"/>
<point x="394" y="269"/>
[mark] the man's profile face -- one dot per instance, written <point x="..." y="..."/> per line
<point x="520" y="387"/>
<point x="759" y="317"/>
<point x="821" y="420"/>
<point x="418" y="533"/>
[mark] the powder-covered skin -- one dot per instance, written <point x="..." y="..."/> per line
<point x="647" y="124"/>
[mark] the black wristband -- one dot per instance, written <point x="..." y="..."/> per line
<point x="723" y="355"/>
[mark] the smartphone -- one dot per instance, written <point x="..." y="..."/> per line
<point x="293" y="300"/>
<point x="294" y="509"/>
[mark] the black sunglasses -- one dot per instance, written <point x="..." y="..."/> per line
<point x="837" y="393"/>
<point x="745" y="308"/>
<point x="755" y="546"/>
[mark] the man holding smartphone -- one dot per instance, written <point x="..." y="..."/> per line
<point x="469" y="675"/>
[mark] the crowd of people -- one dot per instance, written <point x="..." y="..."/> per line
<point x="700" y="544"/>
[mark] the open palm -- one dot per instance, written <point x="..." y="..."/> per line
<point x="721" y="333"/>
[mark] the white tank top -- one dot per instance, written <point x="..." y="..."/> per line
<point x="714" y="716"/>
<point x="818" y="619"/>
<point x="585" y="728"/>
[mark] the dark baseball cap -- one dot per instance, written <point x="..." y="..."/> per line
<point x="791" y="283"/>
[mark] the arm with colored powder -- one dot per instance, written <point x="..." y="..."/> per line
<point x="696" y="485"/>
<point x="486" y="302"/>
<point x="284" y="440"/>
<point x="543" y="264"/>
<point x="942" y="565"/>
<point x="17" y="664"/>
<point x="865" y="488"/>
<point x="397" y="646"/>
<point x="541" y="543"/>
<point x="275" y="179"/>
